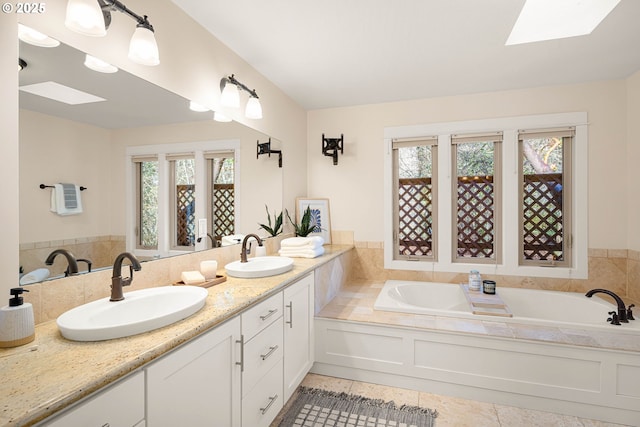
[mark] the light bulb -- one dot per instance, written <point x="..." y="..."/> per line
<point x="230" y="96"/>
<point x="143" y="48"/>
<point x="254" y="109"/>
<point x="85" y="17"/>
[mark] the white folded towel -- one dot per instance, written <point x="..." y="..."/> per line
<point x="302" y="242"/>
<point x="66" y="199"/>
<point x="301" y="253"/>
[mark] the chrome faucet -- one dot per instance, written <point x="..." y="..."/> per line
<point x="622" y="316"/>
<point x="243" y="251"/>
<point x="72" y="268"/>
<point x="117" y="282"/>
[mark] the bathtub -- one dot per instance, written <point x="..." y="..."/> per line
<point x="529" y="306"/>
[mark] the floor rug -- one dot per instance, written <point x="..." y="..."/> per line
<point x="318" y="408"/>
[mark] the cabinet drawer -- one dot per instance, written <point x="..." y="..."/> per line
<point x="120" y="405"/>
<point x="263" y="403"/>
<point x="262" y="315"/>
<point x="261" y="354"/>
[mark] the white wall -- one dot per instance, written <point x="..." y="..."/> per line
<point x="633" y="157"/>
<point x="54" y="150"/>
<point x="355" y="185"/>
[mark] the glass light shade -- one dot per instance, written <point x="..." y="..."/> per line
<point x="143" y="48"/>
<point x="36" y="38"/>
<point x="85" y="17"/>
<point x="194" y="106"/>
<point x="219" y="117"/>
<point x="254" y="109"/>
<point x="230" y="96"/>
<point x="99" y="65"/>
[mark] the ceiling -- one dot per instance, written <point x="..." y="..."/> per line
<point x="335" y="53"/>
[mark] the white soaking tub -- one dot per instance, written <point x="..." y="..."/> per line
<point x="529" y="306"/>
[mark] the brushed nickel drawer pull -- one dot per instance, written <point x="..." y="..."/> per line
<point x="266" y="408"/>
<point x="271" y="350"/>
<point x="241" y="362"/>
<point x="271" y="313"/>
<point x="290" y="321"/>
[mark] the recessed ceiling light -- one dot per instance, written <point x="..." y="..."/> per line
<point x="36" y="38"/>
<point x="556" y="19"/>
<point x="61" y="93"/>
<point x="219" y="117"/>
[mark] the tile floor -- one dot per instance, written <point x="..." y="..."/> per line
<point x="452" y="411"/>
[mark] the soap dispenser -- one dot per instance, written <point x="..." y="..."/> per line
<point x="17" y="326"/>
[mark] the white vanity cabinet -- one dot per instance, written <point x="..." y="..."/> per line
<point x="262" y="334"/>
<point x="198" y="384"/>
<point x="119" y="405"/>
<point x="298" y="333"/>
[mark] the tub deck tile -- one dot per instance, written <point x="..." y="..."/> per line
<point x="355" y="302"/>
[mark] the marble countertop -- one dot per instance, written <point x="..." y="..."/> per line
<point x="51" y="373"/>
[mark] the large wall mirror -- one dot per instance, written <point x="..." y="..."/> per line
<point x="87" y="143"/>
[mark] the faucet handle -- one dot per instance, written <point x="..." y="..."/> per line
<point x="614" y="318"/>
<point x="630" y="312"/>
<point x="127" y="281"/>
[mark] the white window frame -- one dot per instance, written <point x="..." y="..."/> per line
<point x="509" y="126"/>
<point x="162" y="151"/>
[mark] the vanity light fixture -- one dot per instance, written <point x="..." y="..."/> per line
<point x="97" y="64"/>
<point x="229" y="86"/>
<point x="92" y="18"/>
<point x="265" y="148"/>
<point x="330" y="147"/>
<point x="36" y="38"/>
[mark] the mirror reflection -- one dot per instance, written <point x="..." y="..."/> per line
<point x="97" y="139"/>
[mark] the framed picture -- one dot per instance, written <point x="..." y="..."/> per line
<point x="319" y="216"/>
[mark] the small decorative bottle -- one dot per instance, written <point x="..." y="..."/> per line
<point x="475" y="281"/>
<point x="16" y="321"/>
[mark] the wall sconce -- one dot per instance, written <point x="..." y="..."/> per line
<point x="265" y="148"/>
<point x="231" y="97"/>
<point x="93" y="17"/>
<point x="330" y="147"/>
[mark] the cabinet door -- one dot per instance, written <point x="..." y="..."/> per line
<point x="198" y="384"/>
<point x="119" y="405"/>
<point x="298" y="333"/>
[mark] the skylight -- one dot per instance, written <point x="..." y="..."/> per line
<point x="61" y="93"/>
<point x="556" y="19"/>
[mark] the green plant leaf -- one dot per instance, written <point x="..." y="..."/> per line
<point x="276" y="228"/>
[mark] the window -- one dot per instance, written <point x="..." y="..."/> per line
<point x="476" y="197"/>
<point x="414" y="164"/>
<point x="545" y="196"/>
<point x="146" y="202"/>
<point x="503" y="200"/>
<point x="184" y="193"/>
<point x="183" y="201"/>
<point x="221" y="195"/>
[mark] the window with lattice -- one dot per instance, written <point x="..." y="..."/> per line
<point x="221" y="194"/>
<point x="183" y="173"/>
<point x="146" y="171"/>
<point x="476" y="197"/>
<point x="545" y="196"/>
<point x="414" y="190"/>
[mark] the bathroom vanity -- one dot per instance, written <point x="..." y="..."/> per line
<point x="235" y="362"/>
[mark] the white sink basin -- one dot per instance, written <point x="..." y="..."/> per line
<point x="260" y="267"/>
<point x="139" y="312"/>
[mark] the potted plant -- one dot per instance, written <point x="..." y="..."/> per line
<point x="306" y="226"/>
<point x="277" y="227"/>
